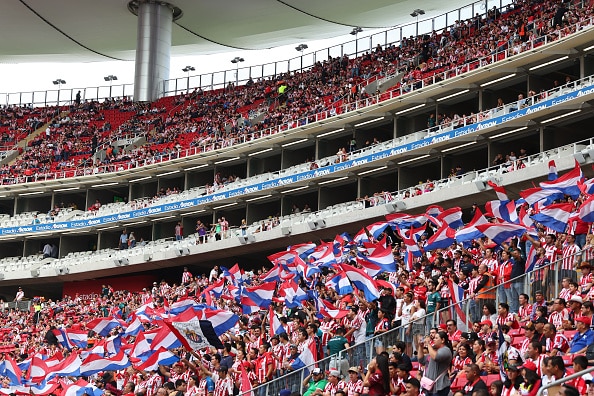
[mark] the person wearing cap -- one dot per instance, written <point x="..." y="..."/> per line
<point x="486" y="330"/>
<point x="511" y="386"/>
<point x="584" y="336"/>
<point x="532" y="380"/>
<point x="20" y="294"/>
<point x="334" y="383"/>
<point x="223" y="385"/>
<point x="354" y="386"/>
<point x="575" y="307"/>
<point x="314" y="382"/>
<point x="586" y="280"/>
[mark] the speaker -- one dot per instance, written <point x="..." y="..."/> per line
<point x="391" y="208"/>
<point x="1" y="276"/>
<point x="117" y="262"/>
<point x="312" y="224"/>
<point x="242" y="239"/>
<point x="35" y="273"/>
<point x="321" y="223"/>
<point x="185" y="251"/>
<point x="591" y="154"/>
<point x="124" y="261"/>
<point x="579" y="157"/>
<point x="251" y="238"/>
<point x="148" y="256"/>
<point x="400" y="205"/>
<point x="480" y="185"/>
<point x="62" y="271"/>
<point x="286" y="230"/>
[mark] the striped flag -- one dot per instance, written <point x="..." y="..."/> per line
<point x="457" y="294"/>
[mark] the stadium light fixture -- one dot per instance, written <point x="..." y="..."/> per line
<point x="59" y="82"/>
<point x="301" y="48"/>
<point x="413" y="159"/>
<point x="330" y="133"/>
<point x="169" y="173"/>
<point x="453" y="95"/>
<point x="260" y="152"/>
<point x="188" y="69"/>
<point x="236" y="61"/>
<point x="549" y="63"/>
<point x="356" y="30"/>
<point x="294" y="143"/>
<point x="111" y="78"/>
<point x="410" y="109"/>
<point x="588" y="48"/>
<point x="369" y="121"/>
<point x="226" y="160"/>
<point x="373" y="170"/>
<point x="294" y="189"/>
<point x="140" y="179"/>
<point x="258" y="198"/>
<point x="458" y="147"/>
<point x="105" y="184"/>
<point x="225" y="206"/>
<point x="333" y="180"/>
<point x="498" y="80"/>
<point x="560" y="116"/>
<point x="417" y="12"/>
<point x="196" y="167"/>
<point x="508" y="132"/>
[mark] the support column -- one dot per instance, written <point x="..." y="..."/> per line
<point x="153" y="47"/>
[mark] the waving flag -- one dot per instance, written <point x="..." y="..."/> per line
<point x="568" y="183"/>
<point x="499" y="190"/>
<point x="524" y="218"/>
<point x="538" y="194"/>
<point x="293" y="294"/>
<point x="235" y="275"/>
<point x="10" y="370"/>
<point x="501" y="232"/>
<point x="340" y="283"/>
<point x="502" y="210"/>
<point x="452" y="217"/>
<point x="457" y="294"/>
<point x="246" y="384"/>
<point x="443" y="238"/>
<point x="181" y="305"/>
<point x="302" y="250"/>
<point x="142" y="344"/>
<point x="361" y="281"/>
<point x="323" y="255"/>
<point x="433" y="210"/>
<point x="261" y="294"/>
<point x="586" y="212"/>
<point x="165" y="338"/>
<point x="70" y="367"/>
<point x="103" y="326"/>
<point x="587" y="187"/>
<point x="306" y="358"/>
<point x="554" y="216"/>
<point x="159" y="357"/>
<point x="276" y="327"/>
<point x="329" y="310"/>
<point x="273" y="275"/>
<point x="374" y="230"/>
<point x="403" y="220"/>
<point x="470" y="232"/>
<point x="94" y="364"/>
<point x="552" y="170"/>
<point x="134" y="327"/>
<point x="221" y="320"/>
<point x="80" y="388"/>
<point x="38" y="370"/>
<point x="62" y="338"/>
<point x="193" y="333"/>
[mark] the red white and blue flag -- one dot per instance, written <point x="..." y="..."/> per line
<point x="470" y="232"/>
<point x="361" y="281"/>
<point x="501" y="232"/>
<point x="568" y="183"/>
<point x="442" y="239"/>
<point x="94" y="364"/>
<point x="554" y="216"/>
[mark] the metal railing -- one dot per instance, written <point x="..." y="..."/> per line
<point x="359" y="355"/>
<point x="563" y="380"/>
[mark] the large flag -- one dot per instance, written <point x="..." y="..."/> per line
<point x="134" y="327"/>
<point x="499" y="190"/>
<point x="276" y="327"/>
<point x="70" y="367"/>
<point x="10" y="370"/>
<point x="501" y="232"/>
<point x="362" y="281"/>
<point x="443" y="238"/>
<point x="340" y="283"/>
<point x="470" y="232"/>
<point x="568" y="183"/>
<point x="103" y="326"/>
<point x="586" y="212"/>
<point x="193" y="333"/>
<point x="306" y="358"/>
<point x="161" y="356"/>
<point x="38" y="370"/>
<point x="452" y="217"/>
<point x="552" y="170"/>
<point x="329" y="310"/>
<point x="457" y="294"/>
<point x="221" y="320"/>
<point x="537" y="194"/>
<point x="94" y="364"/>
<point x="502" y="357"/>
<point x="261" y="294"/>
<point x="554" y="216"/>
<point x="502" y="210"/>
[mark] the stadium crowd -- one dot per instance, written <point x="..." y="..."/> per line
<point x="274" y="319"/>
<point x="207" y="120"/>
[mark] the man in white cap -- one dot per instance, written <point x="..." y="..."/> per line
<point x="334" y="383"/>
<point x="315" y="382"/>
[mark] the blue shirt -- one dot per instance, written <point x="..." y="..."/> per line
<point x="580" y="341"/>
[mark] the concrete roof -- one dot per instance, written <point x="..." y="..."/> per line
<point x="87" y="30"/>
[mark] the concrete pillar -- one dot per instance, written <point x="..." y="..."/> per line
<point x="153" y="47"/>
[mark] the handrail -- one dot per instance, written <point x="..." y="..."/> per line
<point x="394" y="330"/>
<point x="563" y="380"/>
